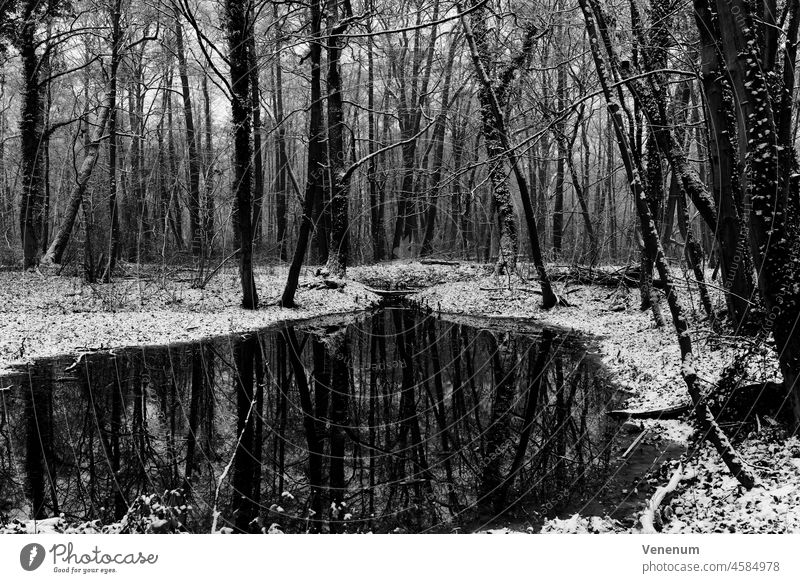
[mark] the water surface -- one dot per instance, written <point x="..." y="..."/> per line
<point x="398" y="422"/>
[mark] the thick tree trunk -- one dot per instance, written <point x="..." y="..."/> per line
<point x="31" y="135"/>
<point x="339" y="181"/>
<point x="237" y="31"/>
<point x="771" y="181"/>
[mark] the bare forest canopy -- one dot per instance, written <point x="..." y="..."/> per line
<point x="337" y="132"/>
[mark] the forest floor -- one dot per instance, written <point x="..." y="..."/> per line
<point x="44" y="316"/>
<point x="48" y="315"/>
<point x="645" y="360"/>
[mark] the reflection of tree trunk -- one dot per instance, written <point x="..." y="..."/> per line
<point x="117" y="405"/>
<point x="336" y="346"/>
<point x="536" y="378"/>
<point x="504" y="356"/>
<point x="420" y="480"/>
<point x="139" y="419"/>
<point x="457" y="395"/>
<point x="244" y="510"/>
<point x="258" y="437"/>
<point x="197" y="390"/>
<point x="313" y="440"/>
<point x="39" y="469"/>
<point x="441" y="418"/>
<point x="372" y="424"/>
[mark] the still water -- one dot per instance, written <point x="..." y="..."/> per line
<point x="394" y="422"/>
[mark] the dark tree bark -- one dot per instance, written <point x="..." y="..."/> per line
<point x="339" y="181"/>
<point x="499" y="147"/>
<point x="31" y="137"/>
<point x="316" y="157"/>
<point x="375" y="190"/>
<point x="238" y="29"/>
<point x="438" y="155"/>
<point x="737" y="265"/>
<point x="195" y="230"/>
<point x="771" y="182"/>
<point x="210" y="174"/>
<point x="258" y="157"/>
<point x="633" y="170"/>
<point x="113" y="207"/>
<point x="281" y="157"/>
<point x="410" y="118"/>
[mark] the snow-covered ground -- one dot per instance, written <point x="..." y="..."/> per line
<point x="46" y="316"/>
<point x="42" y="316"/>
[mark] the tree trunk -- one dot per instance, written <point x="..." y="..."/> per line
<point x="315" y="161"/>
<point x="633" y="170"/>
<point x="195" y="231"/>
<point x="281" y="158"/>
<point x="339" y="181"/>
<point x="31" y="135"/>
<point x="438" y="156"/>
<point x="113" y="207"/>
<point x="56" y="250"/>
<point x="237" y="30"/>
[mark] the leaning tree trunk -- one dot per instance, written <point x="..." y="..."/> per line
<point x="56" y="250"/>
<point x="497" y="141"/>
<point x="315" y="160"/>
<point x="706" y="422"/>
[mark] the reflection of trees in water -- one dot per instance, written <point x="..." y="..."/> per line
<point x="400" y="421"/>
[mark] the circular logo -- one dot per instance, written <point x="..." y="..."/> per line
<point x="31" y="556"/>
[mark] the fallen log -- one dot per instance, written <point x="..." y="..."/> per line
<point x="671" y="412"/>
